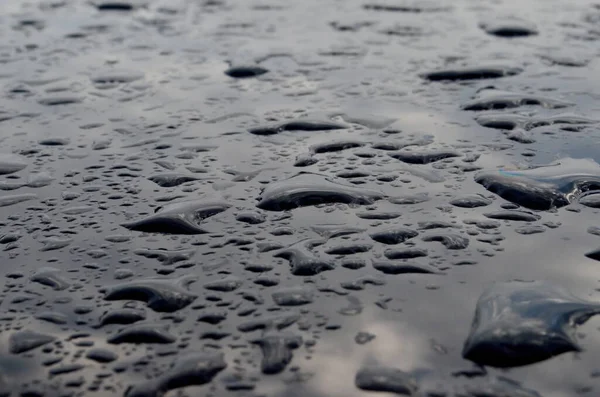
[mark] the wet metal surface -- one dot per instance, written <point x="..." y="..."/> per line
<point x="299" y="198"/>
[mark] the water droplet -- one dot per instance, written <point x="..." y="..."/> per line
<point x="143" y="333"/>
<point x="449" y="240"/>
<point x="227" y="284"/>
<point x="405" y="253"/>
<point x="471" y="201"/>
<point x="384" y="379"/>
<point x="592" y="201"/>
<point x="166" y="257"/>
<point x="172" y="180"/>
<point x="122" y="316"/>
<point x="394" y="235"/>
<point x="193" y="369"/>
<point x="403" y="267"/>
<point x="490" y="99"/>
<point x="423" y="157"/>
<point x="297" y="125"/>
<point x="5" y="201"/>
<point x="245" y="71"/>
<point x="50" y="277"/>
<point x="24" y="341"/>
<point x="304" y="262"/>
<point x="362" y="338"/>
<point x="509" y="27"/>
<point x="179" y="218"/>
<point x="277" y="351"/>
<point x="473" y="73"/>
<point x="520" y="323"/>
<point x="161" y="295"/>
<point x="546" y="187"/>
<point x="293" y="296"/>
<point x="513" y="215"/>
